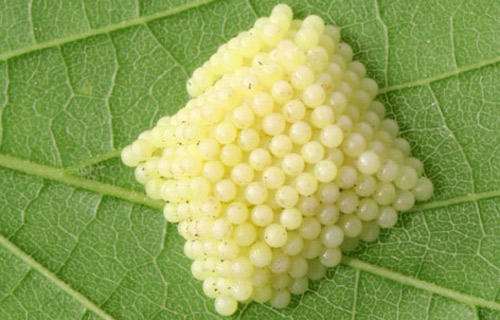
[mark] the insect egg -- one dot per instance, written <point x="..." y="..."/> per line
<point x="281" y="161"/>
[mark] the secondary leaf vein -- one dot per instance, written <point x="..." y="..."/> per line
<point x="59" y="175"/>
<point x="445" y="75"/>
<point x="9" y="246"/>
<point x="104" y="30"/>
<point x="63" y="176"/>
<point x="421" y="284"/>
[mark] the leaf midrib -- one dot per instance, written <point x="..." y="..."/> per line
<point x="61" y="175"/>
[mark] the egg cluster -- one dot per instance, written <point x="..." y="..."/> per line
<point x="279" y="162"/>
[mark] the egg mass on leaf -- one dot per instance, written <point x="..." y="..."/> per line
<point x="279" y="162"/>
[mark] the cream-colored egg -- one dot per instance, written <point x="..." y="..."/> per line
<point x="278" y="163"/>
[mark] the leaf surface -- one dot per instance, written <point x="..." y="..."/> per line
<point x="79" y="80"/>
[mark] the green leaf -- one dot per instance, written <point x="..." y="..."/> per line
<point x="80" y="79"/>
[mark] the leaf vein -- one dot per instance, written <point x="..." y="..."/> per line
<point x="4" y="105"/>
<point x="85" y="14"/>
<point x="35" y="265"/>
<point x="452" y="135"/>
<point x="107" y="29"/>
<point x="250" y="5"/>
<point x="11" y="291"/>
<point x="77" y="237"/>
<point x="106" y="189"/>
<point x="386" y="40"/>
<point x="59" y="175"/>
<point x="355" y="297"/>
<point x="455" y="72"/>
<point x="116" y="66"/>
<point x="23" y="210"/>
<point x="30" y="21"/>
<point x="169" y="54"/>
<point x="94" y="160"/>
<point x="421" y="284"/>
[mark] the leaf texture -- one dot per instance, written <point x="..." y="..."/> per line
<point x="80" y="79"/>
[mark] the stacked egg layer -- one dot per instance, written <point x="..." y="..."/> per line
<point x="279" y="162"/>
